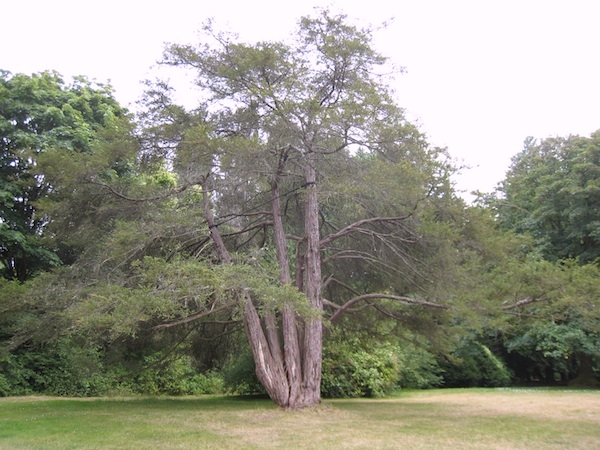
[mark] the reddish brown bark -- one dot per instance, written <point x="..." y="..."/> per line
<point x="287" y="351"/>
<point x="313" y="329"/>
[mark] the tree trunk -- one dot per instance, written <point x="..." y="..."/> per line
<point x="313" y="343"/>
<point x="291" y="374"/>
<point x="585" y="376"/>
<point x="291" y="343"/>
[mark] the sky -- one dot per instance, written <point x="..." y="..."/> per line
<point x="480" y="75"/>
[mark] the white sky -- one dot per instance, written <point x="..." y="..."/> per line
<point x="482" y="75"/>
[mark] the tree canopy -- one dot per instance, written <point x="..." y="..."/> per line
<point x="552" y="192"/>
<point x="40" y="113"/>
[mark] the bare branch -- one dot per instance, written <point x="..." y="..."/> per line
<point x="525" y="301"/>
<point x="356" y="225"/>
<point x="406" y="300"/>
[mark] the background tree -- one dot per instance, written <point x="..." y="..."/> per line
<point x="38" y="113"/>
<point x="552" y="192"/>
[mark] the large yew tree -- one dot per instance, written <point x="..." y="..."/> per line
<point x="301" y="148"/>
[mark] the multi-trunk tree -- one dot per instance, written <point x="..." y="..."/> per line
<point x="304" y="150"/>
<point x="294" y="195"/>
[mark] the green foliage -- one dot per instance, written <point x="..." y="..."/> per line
<point x="352" y="370"/>
<point x="176" y="376"/>
<point x="547" y="315"/>
<point x="14" y="377"/>
<point x="239" y="374"/>
<point x="419" y="368"/>
<point x="474" y="364"/>
<point x="5" y="386"/>
<point x="552" y="192"/>
<point x="61" y="368"/>
<point x="39" y="113"/>
<point x="69" y="368"/>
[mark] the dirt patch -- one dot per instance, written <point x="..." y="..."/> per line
<point x="539" y="404"/>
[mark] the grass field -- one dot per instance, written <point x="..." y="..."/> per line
<point x="434" y="419"/>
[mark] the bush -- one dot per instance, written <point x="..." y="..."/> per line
<point x="419" y="368"/>
<point x="61" y="368"/>
<point x="474" y="364"/>
<point x="176" y="376"/>
<point x="240" y="376"/>
<point x="65" y="368"/>
<point x="350" y="370"/>
<point x="5" y="388"/>
<point x="13" y="377"/>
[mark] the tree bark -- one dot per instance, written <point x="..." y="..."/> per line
<point x="313" y="344"/>
<point x="291" y="344"/>
<point x="291" y="374"/>
<point x="266" y="349"/>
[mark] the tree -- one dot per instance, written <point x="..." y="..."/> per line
<point x="295" y="195"/>
<point x="281" y="116"/>
<point x="553" y="328"/>
<point x="39" y="113"/>
<point x="552" y="192"/>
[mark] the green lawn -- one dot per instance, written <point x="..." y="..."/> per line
<point x="453" y="418"/>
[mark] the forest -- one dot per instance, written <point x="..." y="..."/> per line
<point x="292" y="234"/>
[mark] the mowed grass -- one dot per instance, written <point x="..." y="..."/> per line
<point x="435" y="419"/>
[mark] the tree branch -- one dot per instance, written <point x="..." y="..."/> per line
<point x="356" y="225"/>
<point x="406" y="300"/>
<point x="144" y="199"/>
<point x="194" y="317"/>
<point x="525" y="301"/>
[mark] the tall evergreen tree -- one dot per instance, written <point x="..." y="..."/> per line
<point x="38" y="113"/>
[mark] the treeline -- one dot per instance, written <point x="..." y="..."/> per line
<point x="292" y="231"/>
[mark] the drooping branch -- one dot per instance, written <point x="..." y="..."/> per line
<point x="357" y="225"/>
<point x="162" y="196"/>
<point x="525" y="301"/>
<point x="368" y="258"/>
<point x="194" y="317"/>
<point x="402" y="299"/>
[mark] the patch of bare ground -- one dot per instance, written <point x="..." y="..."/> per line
<point x="496" y="420"/>
<point x="538" y="404"/>
<point x="279" y="428"/>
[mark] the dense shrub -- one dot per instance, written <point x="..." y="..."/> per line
<point x="350" y="370"/>
<point x="176" y="376"/>
<point x="67" y="369"/>
<point x="61" y="368"/>
<point x="239" y="374"/>
<point x="13" y="377"/>
<point x="419" y="369"/>
<point x="474" y="364"/>
<point x="5" y="387"/>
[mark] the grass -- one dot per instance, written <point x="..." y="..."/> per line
<point x="435" y="419"/>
